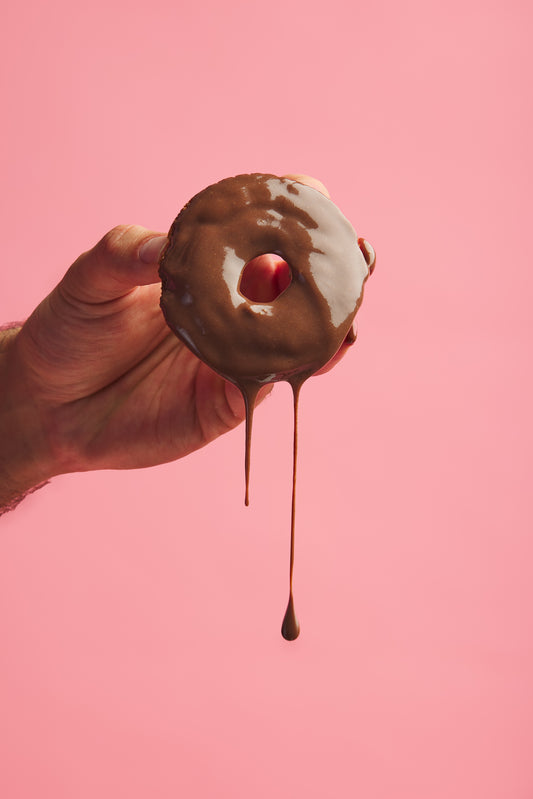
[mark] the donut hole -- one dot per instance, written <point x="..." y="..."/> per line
<point x="265" y="277"/>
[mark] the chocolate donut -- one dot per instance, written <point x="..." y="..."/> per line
<point x="218" y="233"/>
<point x="222" y="229"/>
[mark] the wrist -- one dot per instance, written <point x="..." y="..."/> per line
<point x="24" y="465"/>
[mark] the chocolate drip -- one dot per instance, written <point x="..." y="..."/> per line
<point x="249" y="394"/>
<point x="290" y="629"/>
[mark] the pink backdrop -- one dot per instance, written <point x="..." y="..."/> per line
<point x="140" y="651"/>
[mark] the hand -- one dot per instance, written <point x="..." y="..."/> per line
<point x="98" y="381"/>
<point x="110" y="384"/>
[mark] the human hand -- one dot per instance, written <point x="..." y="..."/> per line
<point x="98" y="381"/>
<point x="110" y="384"/>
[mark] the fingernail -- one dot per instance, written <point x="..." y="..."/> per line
<point x="151" y="249"/>
<point x="368" y="254"/>
<point x="351" y="335"/>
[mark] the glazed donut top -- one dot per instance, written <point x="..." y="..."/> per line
<point x="222" y="229"/>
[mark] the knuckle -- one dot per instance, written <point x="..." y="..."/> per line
<point x="110" y="245"/>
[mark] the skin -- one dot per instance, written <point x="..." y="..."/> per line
<point x="95" y="379"/>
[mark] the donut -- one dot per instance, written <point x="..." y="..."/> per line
<point x="221" y="231"/>
<point x="217" y="234"/>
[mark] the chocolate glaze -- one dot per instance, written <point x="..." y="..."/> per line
<point x="250" y="343"/>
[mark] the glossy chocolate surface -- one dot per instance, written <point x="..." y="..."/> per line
<point x="223" y="228"/>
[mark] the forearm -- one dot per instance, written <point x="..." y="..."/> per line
<point x="22" y="469"/>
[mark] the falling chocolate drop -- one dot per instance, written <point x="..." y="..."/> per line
<point x="290" y="629"/>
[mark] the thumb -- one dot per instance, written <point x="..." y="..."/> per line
<point x="124" y="258"/>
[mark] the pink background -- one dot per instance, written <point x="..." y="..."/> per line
<point x="140" y="651"/>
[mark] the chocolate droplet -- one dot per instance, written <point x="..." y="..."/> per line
<point x="290" y="629"/>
